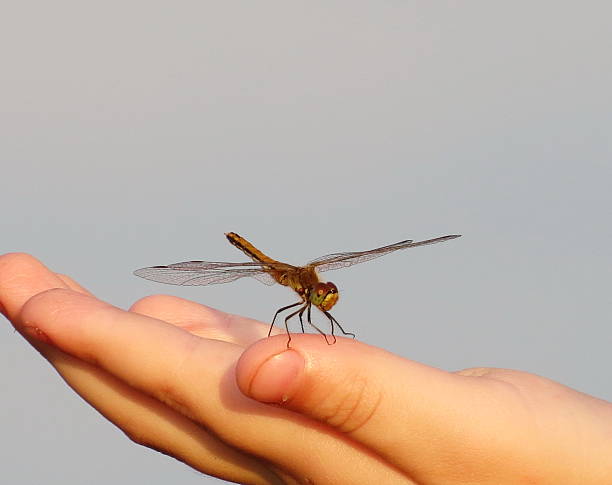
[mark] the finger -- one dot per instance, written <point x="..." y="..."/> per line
<point x="196" y="377"/>
<point x="145" y="420"/>
<point x="417" y="417"/>
<point x="21" y="277"/>
<point x="202" y="320"/>
<point x="148" y="422"/>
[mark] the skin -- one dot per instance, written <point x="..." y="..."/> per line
<point x="207" y="388"/>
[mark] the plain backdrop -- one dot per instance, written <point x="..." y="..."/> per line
<point x="137" y="133"/>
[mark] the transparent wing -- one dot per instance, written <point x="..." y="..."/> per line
<point x="265" y="278"/>
<point x="201" y="273"/>
<point x="344" y="260"/>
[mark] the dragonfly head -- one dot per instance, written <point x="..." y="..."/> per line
<point x="324" y="295"/>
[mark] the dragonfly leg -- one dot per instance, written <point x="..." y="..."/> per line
<point x="288" y="317"/>
<point x="279" y="311"/>
<point x="334" y="321"/>
<point x="300" y="317"/>
<point x="309" y="319"/>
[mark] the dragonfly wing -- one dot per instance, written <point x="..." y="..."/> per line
<point x="201" y="273"/>
<point x="344" y="260"/>
<point x="208" y="265"/>
<point x="265" y="278"/>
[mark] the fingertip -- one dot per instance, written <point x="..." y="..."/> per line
<point x="180" y="312"/>
<point x="21" y="277"/>
<point x="270" y="372"/>
<point x="22" y="267"/>
<point x="276" y="379"/>
<point x="36" y="314"/>
<point x="9" y="259"/>
<point x="150" y="303"/>
<point x="16" y="268"/>
<point x="46" y="305"/>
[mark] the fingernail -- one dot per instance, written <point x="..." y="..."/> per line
<point x="277" y="378"/>
<point x="37" y="334"/>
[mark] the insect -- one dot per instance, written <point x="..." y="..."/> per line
<point x="304" y="280"/>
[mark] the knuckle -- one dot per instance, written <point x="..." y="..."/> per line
<point x="352" y="405"/>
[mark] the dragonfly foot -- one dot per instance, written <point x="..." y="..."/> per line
<point x="328" y="342"/>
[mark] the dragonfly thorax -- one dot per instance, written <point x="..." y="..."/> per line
<point x="324" y="295"/>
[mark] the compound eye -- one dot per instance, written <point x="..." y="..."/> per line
<point x="320" y="289"/>
<point x="327" y="295"/>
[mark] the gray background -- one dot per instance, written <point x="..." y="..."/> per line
<point x="137" y="133"/>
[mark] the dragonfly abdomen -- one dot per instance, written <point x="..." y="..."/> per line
<point x="247" y="248"/>
<point x="256" y="255"/>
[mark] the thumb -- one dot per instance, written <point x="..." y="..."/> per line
<point x="392" y="405"/>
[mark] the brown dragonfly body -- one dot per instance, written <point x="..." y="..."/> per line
<point x="304" y="280"/>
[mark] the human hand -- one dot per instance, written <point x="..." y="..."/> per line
<point x="207" y="388"/>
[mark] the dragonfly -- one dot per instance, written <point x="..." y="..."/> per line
<point x="304" y="280"/>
